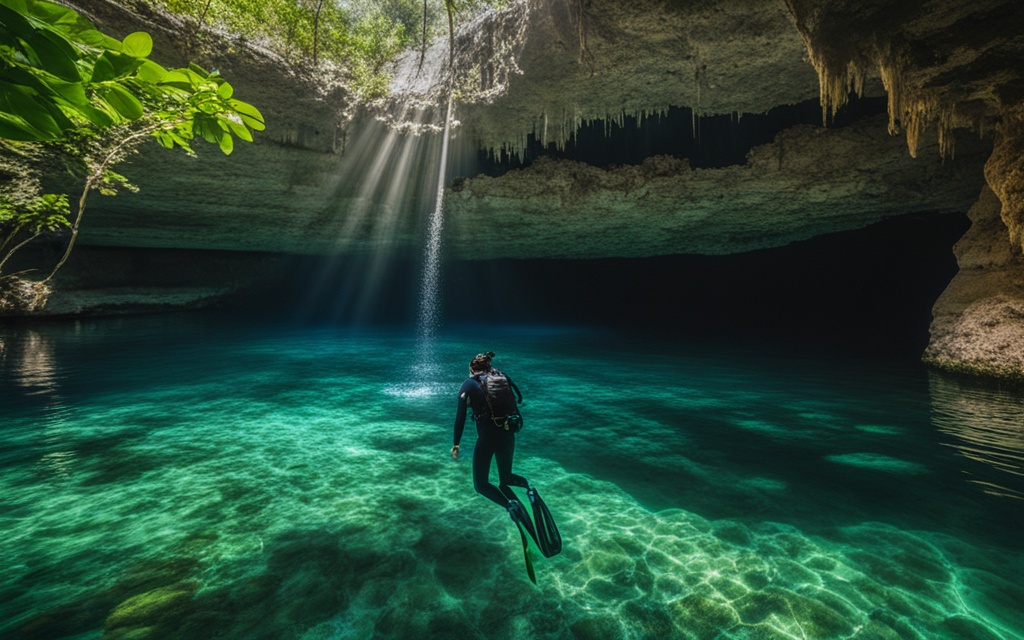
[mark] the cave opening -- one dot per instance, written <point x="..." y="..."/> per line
<point x="866" y="290"/>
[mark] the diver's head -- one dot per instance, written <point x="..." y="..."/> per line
<point x="481" y="363"/>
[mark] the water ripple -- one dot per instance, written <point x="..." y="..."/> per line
<point x="985" y="425"/>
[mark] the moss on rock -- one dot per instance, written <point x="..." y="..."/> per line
<point x="149" y="609"/>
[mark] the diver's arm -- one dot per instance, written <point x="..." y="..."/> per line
<point x="460" y="421"/>
<point x="516" y="389"/>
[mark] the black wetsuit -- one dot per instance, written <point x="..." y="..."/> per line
<point x="491" y="442"/>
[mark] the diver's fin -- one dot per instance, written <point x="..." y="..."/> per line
<point x="521" y="516"/>
<point x="522" y="520"/>
<point x="547" y="537"/>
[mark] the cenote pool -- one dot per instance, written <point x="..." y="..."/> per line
<point x="191" y="476"/>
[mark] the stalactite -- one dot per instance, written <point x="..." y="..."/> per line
<point x="911" y="109"/>
<point x="700" y="78"/>
<point x="916" y="112"/>
<point x="835" y="85"/>
<point x="947" y="140"/>
<point x="564" y="129"/>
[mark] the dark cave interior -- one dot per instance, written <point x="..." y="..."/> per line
<point x="865" y="290"/>
<point x="870" y="289"/>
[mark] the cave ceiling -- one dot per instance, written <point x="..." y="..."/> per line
<point x="323" y="179"/>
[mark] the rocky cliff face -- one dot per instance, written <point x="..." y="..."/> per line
<point x="323" y="181"/>
<point x="808" y="182"/>
<point x="978" y="325"/>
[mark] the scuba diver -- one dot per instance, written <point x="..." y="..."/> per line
<point x="492" y="398"/>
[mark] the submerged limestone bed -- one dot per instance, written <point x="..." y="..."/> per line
<point x="273" y="484"/>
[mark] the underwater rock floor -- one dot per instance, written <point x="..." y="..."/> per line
<point x="179" y="477"/>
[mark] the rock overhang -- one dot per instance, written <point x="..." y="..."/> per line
<point x="541" y="68"/>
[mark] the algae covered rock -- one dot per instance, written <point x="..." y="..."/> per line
<point x="142" y="615"/>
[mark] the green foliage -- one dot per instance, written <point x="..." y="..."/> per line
<point x="374" y="41"/>
<point x="57" y="73"/>
<point x="409" y="13"/>
<point x="68" y="91"/>
<point x="363" y="35"/>
<point x="46" y="212"/>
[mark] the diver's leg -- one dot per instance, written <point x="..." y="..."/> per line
<point x="519" y="481"/>
<point x="504" y="454"/>
<point x="512" y="479"/>
<point x="482" y="454"/>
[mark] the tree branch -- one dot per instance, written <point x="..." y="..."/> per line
<point x="96" y="177"/>
<point x="10" y="237"/>
<point x="16" y="247"/>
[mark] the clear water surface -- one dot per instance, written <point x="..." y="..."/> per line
<point x="180" y="476"/>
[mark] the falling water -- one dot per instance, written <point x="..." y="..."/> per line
<point x="495" y="39"/>
<point x="430" y="302"/>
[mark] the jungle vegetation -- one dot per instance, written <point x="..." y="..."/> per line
<point x="361" y="35"/>
<point x="73" y="98"/>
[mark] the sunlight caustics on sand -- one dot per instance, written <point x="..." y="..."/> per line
<point x="168" y="478"/>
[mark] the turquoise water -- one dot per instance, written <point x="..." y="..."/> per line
<point x="187" y="477"/>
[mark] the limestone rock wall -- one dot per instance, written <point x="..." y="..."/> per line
<point x="1005" y="173"/>
<point x="978" y="321"/>
<point x="808" y="181"/>
<point x="978" y="325"/>
<point x="943" y="64"/>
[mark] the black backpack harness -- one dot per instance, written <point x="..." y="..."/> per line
<point x="501" y="400"/>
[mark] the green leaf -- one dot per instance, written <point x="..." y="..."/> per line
<point x="123" y="101"/>
<point x="51" y="13"/>
<point x="177" y="78"/>
<point x="137" y="45"/>
<point x="97" y="39"/>
<point x="96" y="116"/>
<point x="250" y="115"/>
<point x="72" y="92"/>
<point x="13" y="127"/>
<point x="255" y="125"/>
<point x="151" y="72"/>
<point x="182" y="136"/>
<point x="227" y="143"/>
<point x="38" y="113"/>
<point x="225" y="90"/>
<point x="103" y="70"/>
<point x="46" y="84"/>
<point x="20" y="76"/>
<point x="55" y="54"/>
<point x="122" y="64"/>
<point x="207" y="130"/>
<point x="199" y="71"/>
<point x="237" y="128"/>
<point x="14" y="22"/>
<point x="164" y="139"/>
<point x="197" y="79"/>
